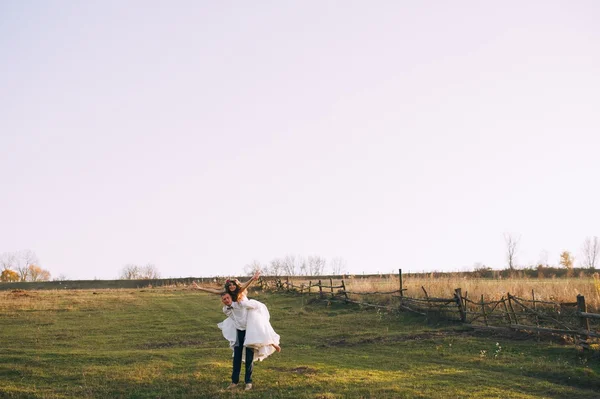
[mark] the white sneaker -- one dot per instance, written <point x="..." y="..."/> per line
<point x="248" y="387"/>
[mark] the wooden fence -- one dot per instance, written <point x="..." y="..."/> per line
<point x="509" y="312"/>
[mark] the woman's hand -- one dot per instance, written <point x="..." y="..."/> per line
<point x="194" y="284"/>
<point x="256" y="275"/>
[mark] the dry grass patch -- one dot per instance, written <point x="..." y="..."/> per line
<point x="553" y="289"/>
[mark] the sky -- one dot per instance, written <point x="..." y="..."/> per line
<point x="201" y="136"/>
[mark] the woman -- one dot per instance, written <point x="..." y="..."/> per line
<point x="260" y="335"/>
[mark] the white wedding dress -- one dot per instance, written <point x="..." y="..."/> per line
<point x="259" y="334"/>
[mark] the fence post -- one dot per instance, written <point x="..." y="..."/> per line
<point x="506" y="310"/>
<point x="427" y="299"/>
<point x="511" y="308"/>
<point x="331" y="285"/>
<point x="287" y="282"/>
<point x="401" y="286"/>
<point x="309" y="284"/>
<point x="320" y="289"/>
<point x="584" y="322"/>
<point x="459" y="302"/>
<point x="537" y="320"/>
<point x="344" y="288"/>
<point x="483" y="310"/>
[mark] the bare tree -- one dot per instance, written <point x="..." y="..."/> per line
<point x="303" y="266"/>
<point x="512" y="244"/>
<point x="290" y="265"/>
<point x="149" y="272"/>
<point x="135" y="272"/>
<point x="253" y="267"/>
<point x="130" y="272"/>
<point x="316" y="265"/>
<point x="276" y="267"/>
<point x="591" y="248"/>
<point x="8" y="261"/>
<point x="338" y="266"/>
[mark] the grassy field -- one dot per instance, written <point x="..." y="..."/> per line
<point x="164" y="343"/>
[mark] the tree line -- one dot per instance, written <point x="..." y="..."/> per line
<point x="289" y="265"/>
<point x="22" y="266"/>
<point x="590" y="253"/>
<point x="298" y="265"/>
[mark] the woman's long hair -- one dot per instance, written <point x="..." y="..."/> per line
<point x="238" y="289"/>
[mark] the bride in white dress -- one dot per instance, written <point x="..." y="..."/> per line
<point x="260" y="335"/>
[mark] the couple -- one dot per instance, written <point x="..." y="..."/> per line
<point x="247" y="326"/>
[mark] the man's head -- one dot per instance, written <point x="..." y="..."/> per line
<point x="226" y="299"/>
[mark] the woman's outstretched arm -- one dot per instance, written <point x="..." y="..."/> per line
<point x="247" y="284"/>
<point x="211" y="290"/>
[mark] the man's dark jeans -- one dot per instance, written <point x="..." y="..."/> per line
<point x="237" y="359"/>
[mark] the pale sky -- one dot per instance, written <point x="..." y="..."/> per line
<point x="203" y="135"/>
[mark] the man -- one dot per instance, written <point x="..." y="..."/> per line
<point x="239" y="314"/>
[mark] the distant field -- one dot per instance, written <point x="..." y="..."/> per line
<point x="164" y="343"/>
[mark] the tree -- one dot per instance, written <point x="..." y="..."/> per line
<point x="512" y="244"/>
<point x="253" y="267"/>
<point x="316" y="265"/>
<point x="338" y="266"/>
<point x="566" y="260"/>
<point x="8" y="260"/>
<point x="24" y="259"/>
<point x="591" y="248"/>
<point x="150" y="272"/>
<point x="135" y="272"/>
<point x="9" y="276"/>
<point x="290" y="265"/>
<point x="23" y="263"/>
<point x="36" y="273"/>
<point x="303" y="266"/>
<point x="130" y="272"/>
<point x="275" y="267"/>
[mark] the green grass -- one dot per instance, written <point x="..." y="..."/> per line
<point x="162" y="343"/>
